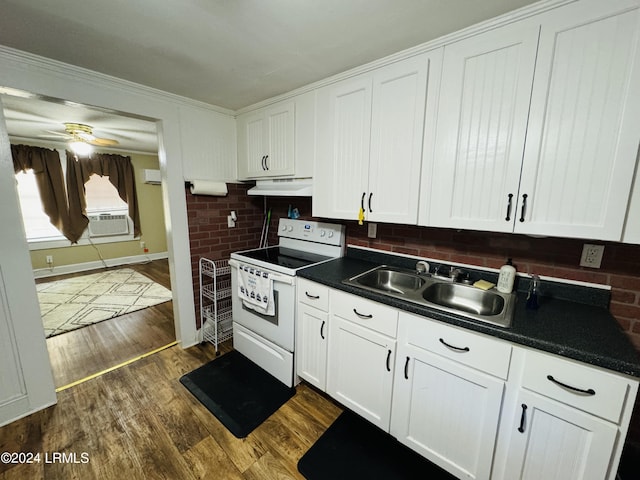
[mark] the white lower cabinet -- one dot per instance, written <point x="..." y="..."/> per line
<point x="442" y="409"/>
<point x="477" y="406"/>
<point x="551" y="440"/>
<point x="311" y="337"/>
<point x="360" y="370"/>
<point x="568" y="420"/>
<point x="312" y="330"/>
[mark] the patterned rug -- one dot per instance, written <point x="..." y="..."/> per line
<point x="76" y="302"/>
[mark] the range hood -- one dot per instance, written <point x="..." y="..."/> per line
<point x="288" y="187"/>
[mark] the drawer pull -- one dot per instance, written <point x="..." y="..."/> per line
<point x="523" y="418"/>
<point x="452" y="347"/>
<point x="312" y="297"/>
<point x="406" y="369"/>
<point x="388" y="359"/>
<point x="322" y="329"/>
<point x="590" y="391"/>
<point x="361" y="315"/>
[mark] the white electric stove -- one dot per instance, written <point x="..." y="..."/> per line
<point x="265" y="333"/>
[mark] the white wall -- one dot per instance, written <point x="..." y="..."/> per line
<point x="61" y="81"/>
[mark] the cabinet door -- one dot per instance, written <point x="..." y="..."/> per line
<point x="311" y="345"/>
<point x="360" y="370"/>
<point x="266" y="142"/>
<point x="583" y="136"/>
<point x="343" y="141"/>
<point x="279" y="124"/>
<point x="397" y="126"/>
<point x="208" y="144"/>
<point x="251" y="145"/>
<point x="550" y="440"/>
<point x="446" y="412"/>
<point x="482" y="121"/>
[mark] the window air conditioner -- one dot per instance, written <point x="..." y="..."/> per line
<point x="107" y="224"/>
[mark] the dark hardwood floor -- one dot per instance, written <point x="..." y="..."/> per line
<point x="139" y="422"/>
<point x="80" y="353"/>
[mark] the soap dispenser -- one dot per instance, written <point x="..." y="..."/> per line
<point x="506" y="277"/>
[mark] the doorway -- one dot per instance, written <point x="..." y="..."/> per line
<point x="86" y="352"/>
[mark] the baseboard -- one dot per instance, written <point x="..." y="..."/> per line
<point x="111" y="262"/>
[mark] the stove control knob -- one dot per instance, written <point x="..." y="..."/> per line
<point x="290" y="228"/>
<point x="284" y="228"/>
<point x="322" y="233"/>
<point x="330" y="233"/>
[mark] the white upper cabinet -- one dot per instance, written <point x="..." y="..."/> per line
<point x="481" y="129"/>
<point x="548" y="150"/>
<point x="342" y="150"/>
<point x="369" y="142"/>
<point x="208" y="144"/>
<point x="583" y="132"/>
<point x="266" y="142"/>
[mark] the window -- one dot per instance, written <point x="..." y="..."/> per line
<point x="36" y="222"/>
<point x="101" y="196"/>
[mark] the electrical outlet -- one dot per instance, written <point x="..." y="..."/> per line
<point x="49" y="259"/>
<point x="373" y="230"/>
<point x="143" y="245"/>
<point x="591" y="255"/>
<point x="230" y="221"/>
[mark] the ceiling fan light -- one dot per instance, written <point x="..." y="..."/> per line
<point x="80" y="148"/>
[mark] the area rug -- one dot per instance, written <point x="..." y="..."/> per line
<point x="354" y="448"/>
<point x="76" y="302"/>
<point x="237" y="391"/>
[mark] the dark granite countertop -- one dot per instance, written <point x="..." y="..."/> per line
<point x="572" y="321"/>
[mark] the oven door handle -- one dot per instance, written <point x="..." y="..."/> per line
<point x="276" y="277"/>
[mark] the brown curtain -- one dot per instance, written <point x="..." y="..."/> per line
<point x="120" y="172"/>
<point x="46" y="166"/>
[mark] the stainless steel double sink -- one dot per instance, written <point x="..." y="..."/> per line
<point x="488" y="306"/>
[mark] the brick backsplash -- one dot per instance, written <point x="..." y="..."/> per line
<point x="209" y="235"/>
<point x="555" y="257"/>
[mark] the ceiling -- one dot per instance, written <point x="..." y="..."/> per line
<point x="229" y="53"/>
<point x="41" y="121"/>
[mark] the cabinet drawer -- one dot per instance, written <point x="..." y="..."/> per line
<point x="473" y="349"/>
<point x="594" y="391"/>
<point x="313" y="294"/>
<point x="361" y="311"/>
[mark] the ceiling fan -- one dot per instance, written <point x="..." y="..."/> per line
<point x="81" y="139"/>
<point x="79" y="132"/>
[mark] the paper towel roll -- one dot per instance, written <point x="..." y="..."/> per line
<point x="206" y="187"/>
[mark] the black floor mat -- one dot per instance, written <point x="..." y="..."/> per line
<point x="354" y="448"/>
<point x="237" y="391"/>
